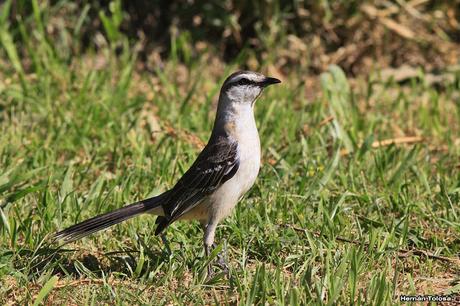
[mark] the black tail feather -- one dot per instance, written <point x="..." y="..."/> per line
<point x="106" y="220"/>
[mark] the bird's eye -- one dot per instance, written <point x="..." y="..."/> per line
<point x="244" y="81"/>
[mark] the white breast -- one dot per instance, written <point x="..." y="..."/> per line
<point x="249" y="146"/>
<point x="226" y="197"/>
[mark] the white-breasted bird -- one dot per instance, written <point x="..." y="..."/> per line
<point x="222" y="173"/>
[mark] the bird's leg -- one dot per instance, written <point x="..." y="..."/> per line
<point x="207" y="252"/>
<point x="209" y="233"/>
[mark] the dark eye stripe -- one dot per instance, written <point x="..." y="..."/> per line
<point x="243" y="81"/>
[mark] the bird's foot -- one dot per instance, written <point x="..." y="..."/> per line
<point x="221" y="260"/>
<point x="211" y="272"/>
<point x="222" y="263"/>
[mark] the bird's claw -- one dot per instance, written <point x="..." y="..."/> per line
<point x="210" y="272"/>
<point x="222" y="263"/>
<point x="221" y="260"/>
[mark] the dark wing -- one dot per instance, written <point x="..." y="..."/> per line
<point x="216" y="164"/>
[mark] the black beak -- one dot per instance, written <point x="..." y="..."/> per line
<point x="269" y="81"/>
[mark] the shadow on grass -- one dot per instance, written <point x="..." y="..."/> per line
<point x="78" y="263"/>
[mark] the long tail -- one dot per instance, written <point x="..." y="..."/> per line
<point x="103" y="221"/>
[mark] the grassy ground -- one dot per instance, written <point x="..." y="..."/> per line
<point x="337" y="216"/>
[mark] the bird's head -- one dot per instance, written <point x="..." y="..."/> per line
<point x="246" y="86"/>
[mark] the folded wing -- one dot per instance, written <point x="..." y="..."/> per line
<point x="216" y="164"/>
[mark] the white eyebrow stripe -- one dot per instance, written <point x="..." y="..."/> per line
<point x="251" y="77"/>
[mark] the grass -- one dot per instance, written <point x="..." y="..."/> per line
<point x="83" y="134"/>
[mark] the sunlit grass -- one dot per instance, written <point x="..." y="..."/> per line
<point x="76" y="141"/>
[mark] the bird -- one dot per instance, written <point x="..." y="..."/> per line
<point x="223" y="172"/>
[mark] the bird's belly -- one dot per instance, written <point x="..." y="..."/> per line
<point x="247" y="174"/>
<point x="222" y="202"/>
<point x="199" y="212"/>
